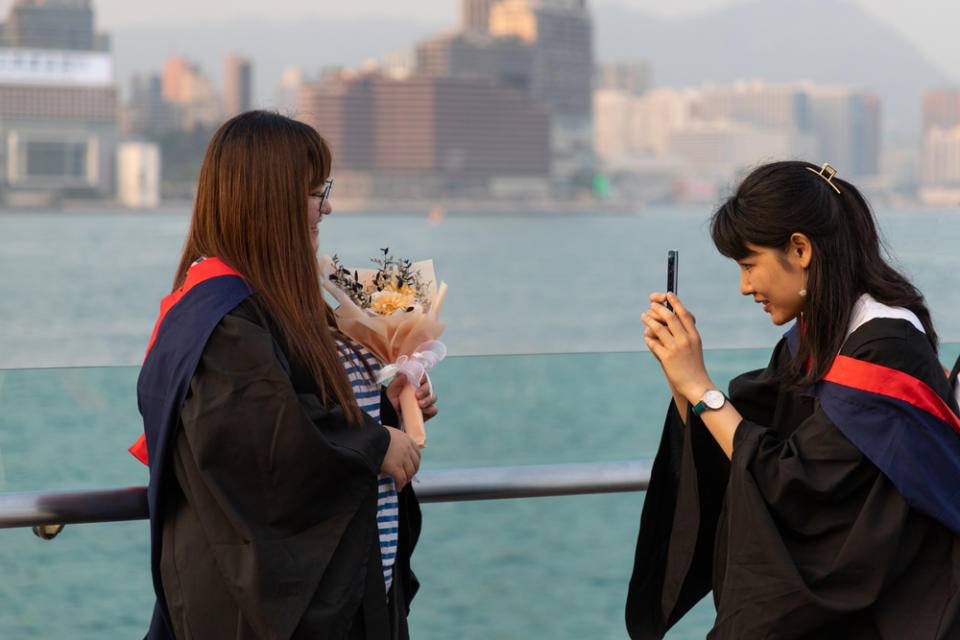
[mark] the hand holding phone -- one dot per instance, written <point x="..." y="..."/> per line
<point x="673" y="263"/>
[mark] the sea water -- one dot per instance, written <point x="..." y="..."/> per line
<point x="547" y="367"/>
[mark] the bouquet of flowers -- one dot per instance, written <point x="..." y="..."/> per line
<point x="392" y="311"/>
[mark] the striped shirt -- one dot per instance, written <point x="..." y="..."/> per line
<point x="367" y="393"/>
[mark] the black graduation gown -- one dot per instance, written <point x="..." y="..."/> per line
<point x="269" y="529"/>
<point x="799" y="535"/>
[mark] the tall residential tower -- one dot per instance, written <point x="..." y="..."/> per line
<point x="237" y="85"/>
<point x="560" y="33"/>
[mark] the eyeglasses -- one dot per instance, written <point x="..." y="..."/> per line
<point x="324" y="193"/>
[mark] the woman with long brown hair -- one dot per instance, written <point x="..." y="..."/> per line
<point x="265" y="472"/>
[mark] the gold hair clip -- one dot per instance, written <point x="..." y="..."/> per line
<point x="826" y="172"/>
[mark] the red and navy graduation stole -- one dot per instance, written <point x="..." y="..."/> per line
<point x="188" y="317"/>
<point x="903" y="427"/>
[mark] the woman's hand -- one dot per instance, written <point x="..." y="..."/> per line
<point x="426" y="396"/>
<point x="402" y="459"/>
<point x="675" y="341"/>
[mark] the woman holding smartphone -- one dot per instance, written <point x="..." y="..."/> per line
<point x="818" y="498"/>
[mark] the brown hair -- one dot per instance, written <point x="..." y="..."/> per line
<point x="251" y="213"/>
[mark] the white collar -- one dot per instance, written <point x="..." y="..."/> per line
<point x="866" y="308"/>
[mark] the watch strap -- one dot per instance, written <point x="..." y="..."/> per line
<point x="701" y="406"/>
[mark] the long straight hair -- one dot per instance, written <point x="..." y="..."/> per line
<point x="251" y="213"/>
<point x="782" y="198"/>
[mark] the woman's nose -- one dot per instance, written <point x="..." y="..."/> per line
<point x="745" y="287"/>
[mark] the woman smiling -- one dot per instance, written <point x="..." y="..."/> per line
<point x="817" y="499"/>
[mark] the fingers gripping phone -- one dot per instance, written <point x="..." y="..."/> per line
<point x="673" y="265"/>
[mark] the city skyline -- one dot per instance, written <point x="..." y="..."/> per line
<point x="927" y="24"/>
<point x="727" y="97"/>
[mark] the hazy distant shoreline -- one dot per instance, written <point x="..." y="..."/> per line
<point x="439" y="208"/>
<point x="363" y="207"/>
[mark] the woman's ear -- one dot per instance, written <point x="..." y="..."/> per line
<point x="801" y="248"/>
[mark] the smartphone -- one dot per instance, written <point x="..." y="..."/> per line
<point x="673" y="266"/>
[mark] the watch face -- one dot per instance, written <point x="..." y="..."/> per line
<point x="713" y="399"/>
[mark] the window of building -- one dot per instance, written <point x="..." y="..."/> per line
<point x="56" y="159"/>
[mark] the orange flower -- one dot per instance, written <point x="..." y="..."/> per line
<point x="386" y="303"/>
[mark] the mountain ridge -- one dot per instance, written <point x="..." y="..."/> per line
<point x="778" y="41"/>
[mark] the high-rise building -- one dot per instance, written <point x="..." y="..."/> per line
<point x="940" y="158"/>
<point x="504" y="60"/>
<point x="51" y="24"/>
<point x="58" y="103"/>
<point x="427" y="136"/>
<point x="940" y="167"/>
<point x="475" y="15"/>
<point x="847" y="125"/>
<point x="58" y="137"/>
<point x="147" y="111"/>
<point x="343" y="111"/>
<point x="176" y="69"/>
<point x="561" y="34"/>
<point x="186" y="86"/>
<point x="237" y="85"/>
<point x="941" y="109"/>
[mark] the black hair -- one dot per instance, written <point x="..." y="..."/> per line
<point x="782" y="198"/>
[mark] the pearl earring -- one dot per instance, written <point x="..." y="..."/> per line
<point x="803" y="285"/>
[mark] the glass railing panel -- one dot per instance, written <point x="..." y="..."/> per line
<point x="550" y="567"/>
<point x="64" y="429"/>
<point x="68" y="428"/>
<point x="546" y="567"/>
<point x="557" y="408"/>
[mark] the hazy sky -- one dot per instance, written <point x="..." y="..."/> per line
<point x="929" y="24"/>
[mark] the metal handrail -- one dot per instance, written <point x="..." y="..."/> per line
<point x="488" y="483"/>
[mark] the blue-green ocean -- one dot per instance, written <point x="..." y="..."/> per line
<point x="547" y="366"/>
